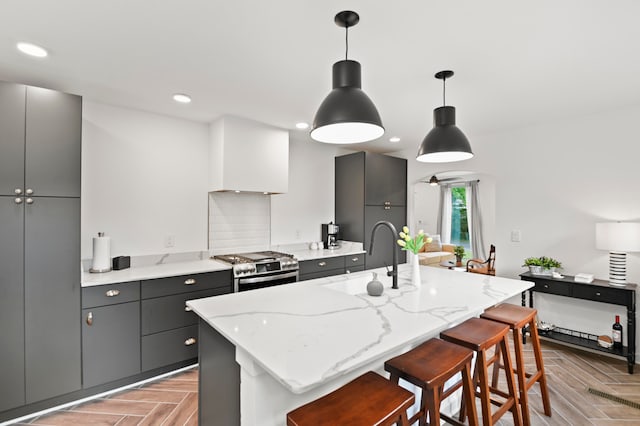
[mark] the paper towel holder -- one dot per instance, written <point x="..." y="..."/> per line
<point x="107" y="255"/>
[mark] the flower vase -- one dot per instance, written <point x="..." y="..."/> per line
<point x="415" y="274"/>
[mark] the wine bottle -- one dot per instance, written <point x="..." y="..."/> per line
<point x="616" y="333"/>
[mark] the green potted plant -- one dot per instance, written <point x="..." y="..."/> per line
<point x="542" y="265"/>
<point x="459" y="252"/>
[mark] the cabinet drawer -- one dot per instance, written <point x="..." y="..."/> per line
<point x="353" y="260"/>
<point x="168" y="347"/>
<point x="318" y="265"/>
<point x="354" y="269"/>
<point x="185" y="283"/>
<point x="321" y="274"/>
<point x="553" y="287"/>
<point x="110" y="294"/>
<point x="169" y="312"/>
<point x="600" y="294"/>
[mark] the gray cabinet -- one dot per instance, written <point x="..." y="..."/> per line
<point x="169" y="333"/>
<point x="329" y="266"/>
<point x="11" y="304"/>
<point x="111" y="339"/>
<point x="371" y="187"/>
<point x="39" y="244"/>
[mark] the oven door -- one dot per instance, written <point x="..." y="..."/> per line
<point x="261" y="281"/>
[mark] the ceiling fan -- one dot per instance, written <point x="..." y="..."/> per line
<point x="448" y="176"/>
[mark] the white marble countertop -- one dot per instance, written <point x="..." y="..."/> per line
<point x="147" y="272"/>
<point x="308" y="333"/>
<point x="303" y="252"/>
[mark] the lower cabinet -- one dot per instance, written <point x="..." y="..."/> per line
<point x="110" y="343"/>
<point x="329" y="266"/>
<point x="169" y="347"/>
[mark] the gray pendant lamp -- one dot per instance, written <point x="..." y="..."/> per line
<point x="346" y="115"/>
<point x="445" y="143"/>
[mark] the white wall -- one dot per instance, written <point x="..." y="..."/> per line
<point x="297" y="215"/>
<point x="144" y="177"/>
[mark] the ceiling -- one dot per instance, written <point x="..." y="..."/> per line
<point x="516" y="63"/>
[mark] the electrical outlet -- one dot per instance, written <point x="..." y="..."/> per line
<point x="169" y="241"/>
<point x="515" y="236"/>
<point x="297" y="234"/>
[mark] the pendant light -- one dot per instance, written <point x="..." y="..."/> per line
<point x="346" y="115"/>
<point x="445" y="143"/>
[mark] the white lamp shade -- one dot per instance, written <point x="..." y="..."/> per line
<point x="620" y="237"/>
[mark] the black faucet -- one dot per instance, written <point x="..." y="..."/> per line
<point x="394" y="272"/>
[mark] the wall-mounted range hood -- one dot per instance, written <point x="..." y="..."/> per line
<point x="248" y="156"/>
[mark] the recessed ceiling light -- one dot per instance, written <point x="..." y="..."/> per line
<point x="32" y="50"/>
<point x="394" y="139"/>
<point x="182" y="98"/>
<point x="302" y="125"/>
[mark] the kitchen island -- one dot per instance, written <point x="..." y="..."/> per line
<point x="265" y="352"/>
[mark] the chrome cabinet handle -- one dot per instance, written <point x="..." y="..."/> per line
<point x="29" y="191"/>
<point x="348" y="271"/>
<point x="355" y="259"/>
<point x="17" y="191"/>
<point x="189" y="281"/>
<point x="546" y="286"/>
<point x="112" y="293"/>
<point x="18" y="200"/>
<point x="387" y="203"/>
<point x="187" y="309"/>
<point x="90" y="318"/>
<point x="598" y="293"/>
<point x="387" y="208"/>
<point x="322" y="263"/>
<point x="29" y="200"/>
<point x="190" y="341"/>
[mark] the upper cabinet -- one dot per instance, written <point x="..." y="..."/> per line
<point x="385" y="180"/>
<point x="40" y="139"/>
<point x="248" y="156"/>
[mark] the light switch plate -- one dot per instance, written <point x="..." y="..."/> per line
<point x="515" y="235"/>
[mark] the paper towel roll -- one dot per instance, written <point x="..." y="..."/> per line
<point x="101" y="253"/>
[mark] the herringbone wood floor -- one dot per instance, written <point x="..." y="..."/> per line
<point x="173" y="401"/>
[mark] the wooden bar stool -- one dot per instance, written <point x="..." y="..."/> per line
<point x="368" y="400"/>
<point x="429" y="366"/>
<point x="481" y="335"/>
<point x="517" y="318"/>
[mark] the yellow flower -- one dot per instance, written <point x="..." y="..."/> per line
<point x="402" y="235"/>
<point x="420" y="232"/>
<point x="405" y="229"/>
<point x="402" y="243"/>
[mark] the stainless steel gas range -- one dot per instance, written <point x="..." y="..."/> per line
<point x="261" y="269"/>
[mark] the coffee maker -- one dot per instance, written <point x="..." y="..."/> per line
<point x="330" y="235"/>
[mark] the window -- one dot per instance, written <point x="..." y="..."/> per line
<point x="459" y="220"/>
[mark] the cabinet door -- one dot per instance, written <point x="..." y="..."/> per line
<point x="11" y="304"/>
<point x="110" y="343"/>
<point x="52" y="297"/>
<point x="11" y="137"/>
<point x="53" y="134"/>
<point x="385" y="243"/>
<point x="385" y="180"/>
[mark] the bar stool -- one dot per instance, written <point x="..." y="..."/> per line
<point x="517" y="318"/>
<point x="368" y="400"/>
<point x="481" y="335"/>
<point x="429" y="366"/>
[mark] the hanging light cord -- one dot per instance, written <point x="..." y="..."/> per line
<point x="444" y="91"/>
<point x="346" y="42"/>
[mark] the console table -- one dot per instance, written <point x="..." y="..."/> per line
<point x="597" y="291"/>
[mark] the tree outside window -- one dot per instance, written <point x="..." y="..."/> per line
<point x="459" y="218"/>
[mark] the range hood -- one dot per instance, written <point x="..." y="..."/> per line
<point x="248" y="156"/>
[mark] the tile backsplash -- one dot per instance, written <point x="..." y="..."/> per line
<point x="239" y="222"/>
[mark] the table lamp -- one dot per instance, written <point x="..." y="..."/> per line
<point x="618" y="238"/>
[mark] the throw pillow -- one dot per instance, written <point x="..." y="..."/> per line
<point x="434" y="245"/>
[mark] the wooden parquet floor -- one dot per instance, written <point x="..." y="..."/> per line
<point x="570" y="372"/>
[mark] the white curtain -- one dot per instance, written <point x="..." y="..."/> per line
<point x="444" y="214"/>
<point x="474" y="220"/>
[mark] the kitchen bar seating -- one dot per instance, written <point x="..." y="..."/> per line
<point x="480" y="335"/>
<point x="517" y="318"/>
<point x="429" y="366"/>
<point x="368" y="400"/>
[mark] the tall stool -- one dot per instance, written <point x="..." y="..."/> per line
<point x="517" y="318"/>
<point x="429" y="366"/>
<point x="368" y="400"/>
<point x="481" y="335"/>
